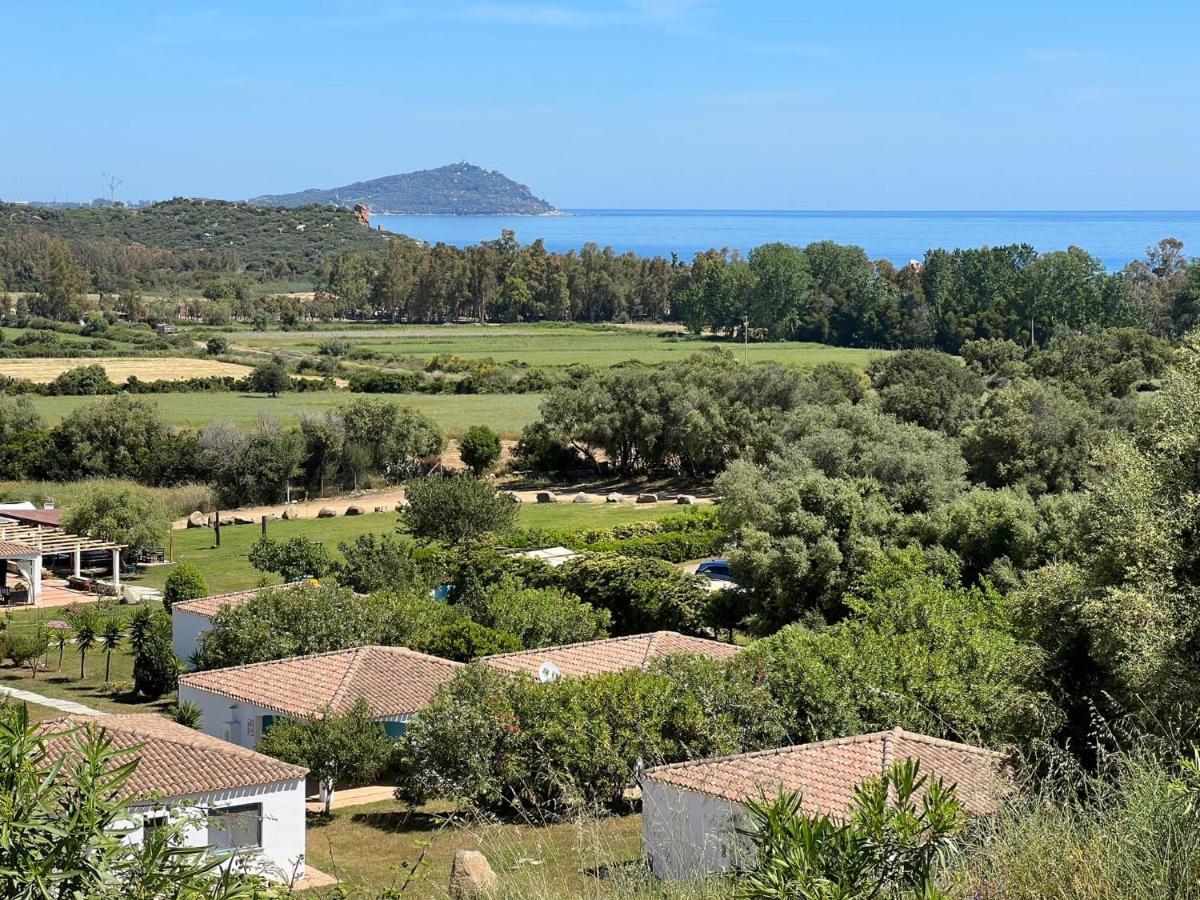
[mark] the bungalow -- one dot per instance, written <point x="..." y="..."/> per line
<point x="234" y="800"/>
<point x="191" y="618"/>
<point x="691" y="811"/>
<point x="636" y="651"/>
<point x="241" y="703"/>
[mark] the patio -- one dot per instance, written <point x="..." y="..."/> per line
<point x="26" y="548"/>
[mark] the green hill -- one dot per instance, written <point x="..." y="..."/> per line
<point x="459" y="190"/>
<point x="258" y="234"/>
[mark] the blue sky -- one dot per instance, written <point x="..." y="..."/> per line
<point x="629" y="103"/>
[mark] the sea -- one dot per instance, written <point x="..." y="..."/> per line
<point x="1114" y="237"/>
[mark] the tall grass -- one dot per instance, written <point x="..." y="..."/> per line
<point x="181" y="499"/>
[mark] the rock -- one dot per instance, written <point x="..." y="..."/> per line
<point x="471" y="876"/>
<point x="197" y="520"/>
<point x="613" y="498"/>
<point x="326" y="512"/>
<point x="354" y="510"/>
<point x="363" y="214"/>
<point x="581" y="498"/>
<point x="381" y="509"/>
<point x="291" y="512"/>
<point x="242" y="520"/>
<point x="546" y="497"/>
<point x="647" y="498"/>
<point x="685" y="500"/>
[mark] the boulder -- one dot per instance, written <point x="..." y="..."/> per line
<point x="647" y="498"/>
<point x="242" y="520"/>
<point x="326" y="512"/>
<point x="197" y="520"/>
<point x="685" y="500"/>
<point x="471" y="876"/>
<point x="614" y="498"/>
<point x="581" y="498"/>
<point x="546" y="497"/>
<point x="355" y="510"/>
<point x="379" y="509"/>
<point x="291" y="512"/>
<point x="513" y="496"/>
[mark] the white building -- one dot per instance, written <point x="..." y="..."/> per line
<point x="241" y="703"/>
<point x="191" y="618"/>
<point x="234" y="800"/>
<point x="691" y="811"/>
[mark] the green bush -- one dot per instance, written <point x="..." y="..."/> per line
<point x="456" y="510"/>
<point x="641" y="594"/>
<point x="479" y="449"/>
<point x="186" y="582"/>
<point x="464" y="641"/>
<point x="155" y="667"/>
<point x="538" y="617"/>
<point x="293" y="559"/>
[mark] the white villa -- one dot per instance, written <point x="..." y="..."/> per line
<point x="191" y="618"/>
<point x="241" y="801"/>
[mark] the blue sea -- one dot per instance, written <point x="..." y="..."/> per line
<point x="1114" y="237"/>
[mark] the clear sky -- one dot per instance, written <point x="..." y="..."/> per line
<point x="780" y="104"/>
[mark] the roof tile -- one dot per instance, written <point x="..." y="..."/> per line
<point x="610" y="655"/>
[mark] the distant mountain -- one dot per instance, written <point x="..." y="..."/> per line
<point x="458" y="190"/>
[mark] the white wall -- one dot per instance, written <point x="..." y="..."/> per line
<point x="229" y="720"/>
<point x="282" y="853"/>
<point x="687" y="836"/>
<point x="185" y="636"/>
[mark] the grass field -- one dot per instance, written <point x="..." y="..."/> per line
<point x="544" y="344"/>
<point x="369" y="846"/>
<point x="504" y="413"/>
<point x="226" y="568"/>
<point x="44" y="370"/>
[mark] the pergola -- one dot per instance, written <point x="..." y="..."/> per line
<point x="30" y="544"/>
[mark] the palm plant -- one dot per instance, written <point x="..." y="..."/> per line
<point x="139" y="628"/>
<point x="110" y="640"/>
<point x="86" y="632"/>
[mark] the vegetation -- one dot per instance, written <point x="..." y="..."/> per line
<point x="479" y="449"/>
<point x="185" y="582"/>
<point x="456" y="510"/>
<point x="123" y="515"/>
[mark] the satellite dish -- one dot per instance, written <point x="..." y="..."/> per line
<point x="548" y="672"/>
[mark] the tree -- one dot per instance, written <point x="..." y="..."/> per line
<point x="931" y="389"/>
<point x="293" y="560"/>
<point x="479" y="449"/>
<point x="338" y="749"/>
<point x="455" y="510"/>
<point x="139" y="628"/>
<point x="27" y="648"/>
<point x="899" y="828"/>
<point x="86" y="629"/>
<point x="465" y="640"/>
<point x="66" y="817"/>
<point x="376" y="562"/>
<point x="123" y="436"/>
<point x="640" y="594"/>
<point x="270" y="378"/>
<point x="186" y="582"/>
<point x="82" y="381"/>
<point x="119" y="513"/>
<point x="155" y="666"/>
<point x="538" y="617"/>
<point x="111" y="637"/>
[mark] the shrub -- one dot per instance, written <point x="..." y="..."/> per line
<point x="184" y="583"/>
<point x="456" y="510"/>
<point x="538" y="617"/>
<point x="293" y="559"/>
<point x="384" y="562"/>
<point x="26" y="648"/>
<point x="155" y="667"/>
<point x="217" y="345"/>
<point x="270" y="378"/>
<point x="188" y="714"/>
<point x="464" y="641"/>
<point x="479" y="449"/>
<point x="641" y="594"/>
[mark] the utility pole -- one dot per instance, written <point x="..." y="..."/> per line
<point x="746" y="340"/>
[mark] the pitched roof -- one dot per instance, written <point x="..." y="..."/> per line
<point x="12" y="549"/>
<point x="828" y="771"/>
<point x="50" y="517"/>
<point x="208" y="607"/>
<point x="395" y="681"/>
<point x="175" y="761"/>
<point x="636" y="651"/>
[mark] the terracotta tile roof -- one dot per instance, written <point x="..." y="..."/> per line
<point x="828" y="771"/>
<point x="611" y="655"/>
<point x="49" y="517"/>
<point x="208" y="607"/>
<point x="175" y="761"/>
<point x="395" y="681"/>
<point x="10" y="549"/>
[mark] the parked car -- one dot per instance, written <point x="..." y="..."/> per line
<point x="717" y="571"/>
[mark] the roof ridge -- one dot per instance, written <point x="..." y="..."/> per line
<point x="920" y="738"/>
<point x="270" y="662"/>
<point x="343" y="683"/>
<point x="571" y="646"/>
<point x="774" y="751"/>
<point x="649" y="654"/>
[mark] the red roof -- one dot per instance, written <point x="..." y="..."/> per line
<point x="826" y="773"/>
<point x="48" y="517"/>
<point x="635" y="651"/>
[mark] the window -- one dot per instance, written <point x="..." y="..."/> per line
<point x="235" y="827"/>
<point x="158" y="818"/>
<point x="395" y="729"/>
<point x="251" y="726"/>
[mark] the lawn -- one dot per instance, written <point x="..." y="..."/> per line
<point x="546" y="344"/>
<point x="504" y="413"/>
<point x="226" y="568"/>
<point x="65" y="683"/>
<point x="369" y="846"/>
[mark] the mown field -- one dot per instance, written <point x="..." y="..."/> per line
<point x="42" y="370"/>
<point x="543" y="344"/>
<point x="503" y="413"/>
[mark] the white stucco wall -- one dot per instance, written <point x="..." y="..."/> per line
<point x="185" y="636"/>
<point x="687" y="836"/>
<point x="282" y="853"/>
<point x="229" y="720"/>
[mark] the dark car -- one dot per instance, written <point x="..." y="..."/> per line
<point x="715" y="570"/>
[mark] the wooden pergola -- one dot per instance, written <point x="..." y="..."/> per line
<point x="32" y="543"/>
